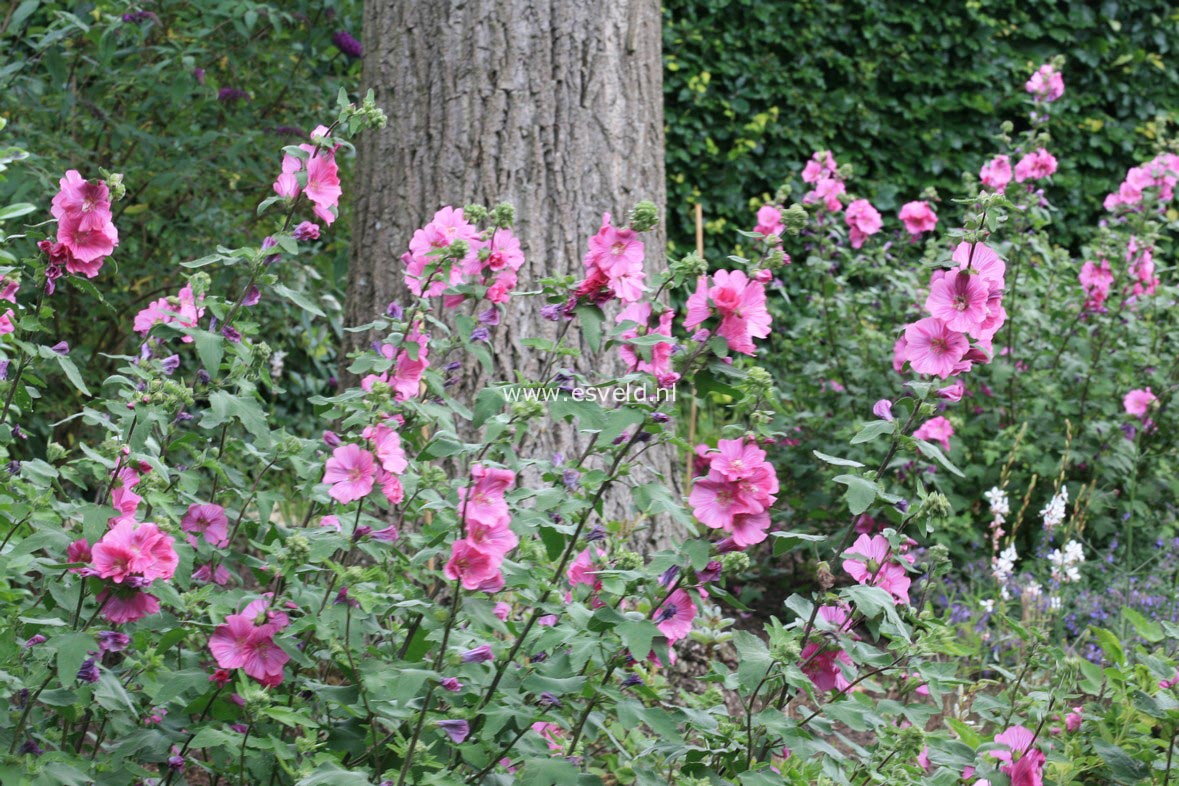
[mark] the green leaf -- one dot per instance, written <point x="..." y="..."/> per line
<point x="1122" y="768"/>
<point x="294" y="718"/>
<point x="591" y="325"/>
<point x="488" y="403"/>
<point x="299" y="299"/>
<point x="860" y="494"/>
<point x="753" y="659"/>
<point x="16" y="210"/>
<point x="874" y="430"/>
<point x="210" y="347"/>
<point x="839" y="462"/>
<point x="1110" y="645"/>
<point x="934" y="452"/>
<point x="1147" y="629"/>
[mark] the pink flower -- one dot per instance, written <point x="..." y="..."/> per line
<point x="246" y="641"/>
<point x="737" y="491"/>
<point x="84" y="223"/>
<point x="739" y="301"/>
<point x="387" y="447"/>
<point x="6" y="325"/>
<point x="1018" y="740"/>
<point x="123" y="605"/>
<point x="674" y="617"/>
<point x="659" y="364"/>
<point x="323" y="185"/>
<point x="471" y="565"/>
<point x="208" y="574"/>
<point x="483" y="502"/>
<point x="351" y="471"/>
<point x="1137" y="402"/>
<point x="287" y="185"/>
<point x="209" y="520"/>
<point x="959" y="300"/>
<point x="581" y="571"/>
<point x="408" y="371"/>
<point x="1097" y="280"/>
<point x="822" y="664"/>
<point x="936" y="430"/>
<point x="996" y="173"/>
<point x="827" y="190"/>
<point x="883" y="409"/>
<point x="184" y="310"/>
<point x="87" y="244"/>
<point x="614" y="265"/>
<point x="864" y="221"/>
<point x="918" y="217"/>
<point x="769" y="221"/>
<point x="130" y="549"/>
<point x="1035" y="166"/>
<point x="871" y="563"/>
<point x="448" y="226"/>
<point x="1073" y="720"/>
<point x="1046" y="84"/>
<point x="931" y="347"/>
<point x="822" y="164"/>
<point x="393" y="492"/>
<point x="552" y="734"/>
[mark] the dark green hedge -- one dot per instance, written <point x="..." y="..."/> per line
<point x="910" y="93"/>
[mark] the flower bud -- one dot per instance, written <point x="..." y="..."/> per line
<point x="644" y="217"/>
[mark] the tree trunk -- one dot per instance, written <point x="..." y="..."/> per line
<point x="553" y="105"/>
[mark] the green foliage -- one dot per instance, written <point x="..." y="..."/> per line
<point x="911" y="94"/>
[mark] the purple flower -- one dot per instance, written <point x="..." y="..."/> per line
<point x="551" y="312"/>
<point x="882" y="409"/>
<point x="660" y="417"/>
<point x="632" y="680"/>
<point x="451" y="684"/>
<point x="453" y="366"/>
<point x="308" y="230"/>
<point x="331" y="439"/>
<point x="176" y="763"/>
<point x="203" y="376"/>
<point x="89" y="671"/>
<point x="35" y="640"/>
<point x="347" y="45"/>
<point x="252" y="296"/>
<point x="199" y="75"/>
<point x="548" y="700"/>
<point x="596" y="533"/>
<point x="701" y="335"/>
<point x="395" y="310"/>
<point x="480" y="334"/>
<point x="480" y="654"/>
<point x="387" y="535"/>
<point x="4" y="370"/>
<point x="710" y="573"/>
<point x="13" y="467"/>
<point x="457" y="730"/>
<point x="113" y="641"/>
<point x="61" y="348"/>
<point x="669" y="575"/>
<point x="30" y="748"/>
<point x="170" y="364"/>
<point x="231" y="334"/>
<point x="572" y="479"/>
<point x="489" y="317"/>
<point x="228" y="95"/>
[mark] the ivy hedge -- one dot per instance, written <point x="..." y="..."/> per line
<point x="904" y="91"/>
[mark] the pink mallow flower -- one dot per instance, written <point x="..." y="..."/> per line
<point x="1097" y="279"/>
<point x="937" y="429"/>
<point x="246" y="641"/>
<point x="959" y="299"/>
<point x="386" y="444"/>
<point x="183" y="310"/>
<point x="426" y="251"/>
<point x="614" y="265"/>
<point x="739" y="301"/>
<point x="737" y="492"/>
<point x="351" y="472"/>
<point x="84" y="223"/>
<point x="134" y="551"/>
<point x="918" y="217"/>
<point x="659" y="363"/>
<point x="1023" y="763"/>
<point x="474" y="567"/>
<point x="996" y="173"/>
<point x="870" y="562"/>
<point x="1035" y="166"/>
<point x="863" y="220"/>
<point x="674" y="617"/>
<point x="931" y="347"/>
<point x="1046" y="84"/>
<point x="769" y="221"/>
<point x="1137" y="402"/>
<point x="208" y="520"/>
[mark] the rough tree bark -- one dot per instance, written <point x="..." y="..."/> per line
<point x="553" y="105"/>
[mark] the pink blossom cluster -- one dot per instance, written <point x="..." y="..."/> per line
<point x="475" y="560"/>
<point x="769" y="222"/>
<point x="405" y="377"/>
<point x="353" y="471"/>
<point x="823" y="663"/>
<point x="184" y="309"/>
<point x="613" y="267"/>
<point x="1096" y="279"/>
<point x="918" y="217"/>
<point x="246" y="641"/>
<point x="322" y="177"/>
<point x="1036" y="165"/>
<point x="863" y="221"/>
<point x="1140" y="260"/>
<point x="675" y="615"/>
<point x="1161" y="173"/>
<point x="1046" y="84"/>
<point x="1023" y="763"/>
<point x="872" y="561"/>
<point x="966" y="300"/>
<point x="737" y="492"/>
<point x="492" y="261"/>
<point x="86" y="232"/>
<point x="8" y="290"/>
<point x="996" y="173"/>
<point x="827" y="186"/>
<point x="130" y="556"/>
<point x="739" y="301"/>
<point x="1138" y="402"/>
<point x="659" y="363"/>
